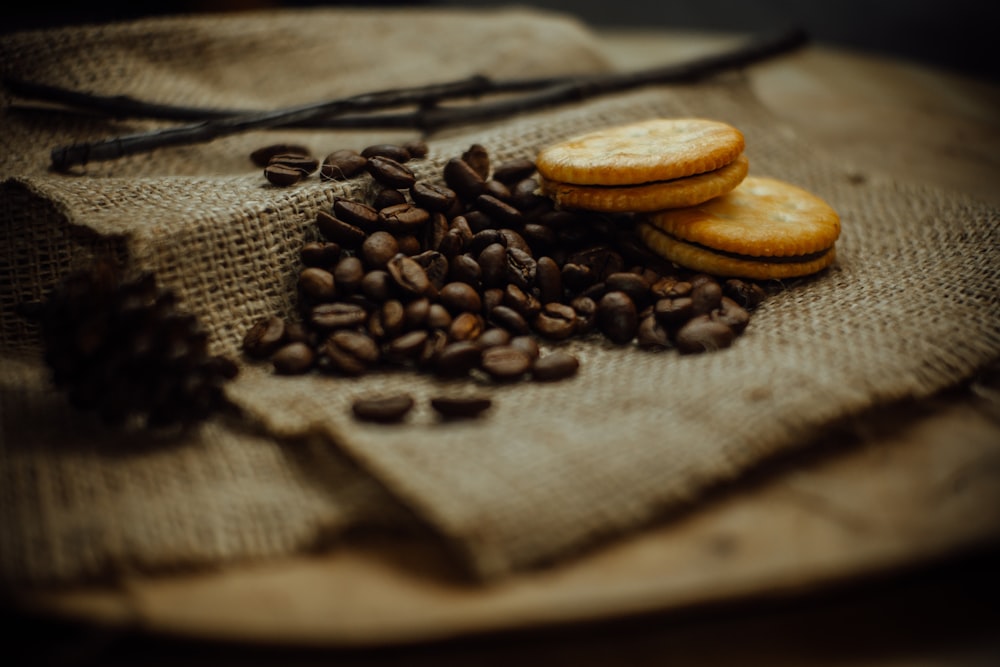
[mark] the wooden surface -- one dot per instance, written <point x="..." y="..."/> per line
<point x="893" y="493"/>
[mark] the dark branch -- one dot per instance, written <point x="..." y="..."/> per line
<point x="347" y="112"/>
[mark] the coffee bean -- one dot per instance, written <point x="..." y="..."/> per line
<point x="262" y="156"/>
<point x="282" y="175"/>
<point x="463" y="268"/>
<point x="458" y="358"/>
<point x="509" y="319"/>
<point x="339" y="231"/>
<point x="435" y="231"/>
<point x="636" y="286"/>
<point x="306" y="164"/>
<point x="746" y="294"/>
<point x="463" y="179"/>
<point x="493" y="336"/>
<point x="320" y="254"/>
<point x="417" y="149"/>
<point x="337" y="315"/>
<point x="481" y="239"/>
<point x="478" y="158"/>
<point x="383" y="409"/>
<point x="433" y="197"/>
<point x="392" y="151"/>
<point x="732" y="314"/>
<point x="479" y="221"/>
<point x="438" y="317"/>
<point x="409" y="275"/>
<point x="435" y="266"/>
<point x="390" y="173"/>
<point x="527" y="344"/>
<point x="577" y="276"/>
<point x="459" y="297"/>
<point x="293" y="359"/>
<point x="617" y="317"/>
<point x="348" y="274"/>
<point x="404" y="218"/>
<point x="497" y="189"/>
<point x="416" y="312"/>
<point x="674" y="312"/>
<point x="499" y="212"/>
<point x="265" y="336"/>
<point x="388" y="320"/>
<point x="506" y="362"/>
<point x="523" y="302"/>
<point x="342" y="165"/>
<point x="703" y="334"/>
<point x="351" y="352"/>
<point x="586" y="314"/>
<point x="705" y="296"/>
<point x="317" y="283"/>
<point x="602" y="260"/>
<point x="556" y="321"/>
<point x="513" y="171"/>
<point x="466" y="326"/>
<point x="407" y="347"/>
<point x="493" y="262"/>
<point x="556" y="365"/>
<point x="378" y="249"/>
<point x="652" y="334"/>
<point x="548" y="276"/>
<point x="521" y="268"/>
<point x="461" y="407"/>
<point x="388" y="197"/>
<point x="356" y="213"/>
<point x="377" y="285"/>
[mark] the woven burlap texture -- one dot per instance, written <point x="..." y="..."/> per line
<point x="909" y="308"/>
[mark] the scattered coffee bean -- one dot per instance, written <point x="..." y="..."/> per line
<point x="703" y="334"/>
<point x="390" y="173"/>
<point x="392" y="151"/>
<point x="506" y="362"/>
<point x="342" y="165"/>
<point x="556" y="365"/>
<point x="461" y="407"/>
<point x="383" y="409"/>
<point x="262" y="156"/>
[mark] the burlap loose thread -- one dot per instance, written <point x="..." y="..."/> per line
<point x="909" y="309"/>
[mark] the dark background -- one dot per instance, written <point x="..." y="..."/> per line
<point x="957" y="35"/>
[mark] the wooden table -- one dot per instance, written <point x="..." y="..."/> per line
<point x="878" y="549"/>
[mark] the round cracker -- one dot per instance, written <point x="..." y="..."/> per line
<point x="679" y="192"/>
<point x="654" y="150"/>
<point x="762" y="217"/>
<point x="704" y="260"/>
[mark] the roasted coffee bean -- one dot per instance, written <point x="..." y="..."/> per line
<point x="524" y="196"/>
<point x="318" y="253"/>
<point x="407" y="347"/>
<point x="356" y="213"/>
<point x="409" y="244"/>
<point x="435" y="265"/>
<point x="500" y="213"/>
<point x="403" y="218"/>
<point x="435" y="231"/>
<point x="461" y="407"/>
<point x="617" y="317"/>
<point x="378" y="249"/>
<point x="452" y="243"/>
<point x="509" y="319"/>
<point x="525" y="303"/>
<point x="460" y="297"/>
<point x="339" y="231"/>
<point x="458" y="358"/>
<point x="492" y="337"/>
<point x="342" y="165"/>
<point x="512" y="171"/>
<point x="479" y="221"/>
<point x="392" y="151"/>
<point x="577" y="276"/>
<point x="437" y="341"/>
<point x="307" y="164"/>
<point x="262" y="156"/>
<point x="556" y="365"/>
<point x="388" y="409"/>
<point x="652" y="334"/>
<point x="478" y="158"/>
<point x="466" y="326"/>
<point x="348" y="274"/>
<point x="521" y="268"/>
<point x="493" y="262"/>
<point x="351" y="352"/>
<point x="636" y="286"/>
<point x="538" y="237"/>
<point x="703" y="334"/>
<point x="388" y="320"/>
<point x="409" y="275"/>
<point x="377" y="285"/>
<point x="548" y="277"/>
<point x="497" y="189"/>
<point x="460" y="225"/>
<point x="265" y="336"/>
<point x="485" y="238"/>
<point x="390" y="173"/>
<point x="463" y="268"/>
<point x="586" y="314"/>
<point x="293" y="359"/>
<point x="417" y="149"/>
<point x="282" y="175"/>
<point x="513" y="239"/>
<point x="747" y="294"/>
<point x="463" y="179"/>
<point x="337" y="315"/>
<point x="317" y="283"/>
<point x="662" y="288"/>
<point x="296" y="332"/>
<point x="706" y="296"/>
<point x="438" y="317"/>
<point x="556" y="321"/>
<point x="674" y="312"/>
<point x="732" y="314"/>
<point x="416" y="312"/>
<point x="602" y="260"/>
<point x="432" y="196"/>
<point x="492" y="297"/>
<point x="506" y="362"/>
<point x="527" y="344"/>
<point x="388" y="197"/>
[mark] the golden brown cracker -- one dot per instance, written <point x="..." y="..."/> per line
<point x="680" y="192"/>
<point x="762" y="217"/>
<point x="699" y="258"/>
<point x="654" y="150"/>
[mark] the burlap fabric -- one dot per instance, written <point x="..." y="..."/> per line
<point x="910" y="308"/>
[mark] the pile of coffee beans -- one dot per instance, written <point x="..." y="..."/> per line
<point x="466" y="274"/>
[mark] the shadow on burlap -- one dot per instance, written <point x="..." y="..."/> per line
<point x="909" y="308"/>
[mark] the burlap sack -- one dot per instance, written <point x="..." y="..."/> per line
<point x="909" y="309"/>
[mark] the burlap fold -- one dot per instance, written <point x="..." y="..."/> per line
<point x="910" y="308"/>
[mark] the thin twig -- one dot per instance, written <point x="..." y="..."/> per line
<point x="427" y="116"/>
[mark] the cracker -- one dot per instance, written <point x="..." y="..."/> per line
<point x="705" y="260"/>
<point x="680" y="192"/>
<point x="763" y="217"/>
<point x="654" y="150"/>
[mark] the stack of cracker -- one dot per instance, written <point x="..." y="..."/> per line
<point x="687" y="180"/>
